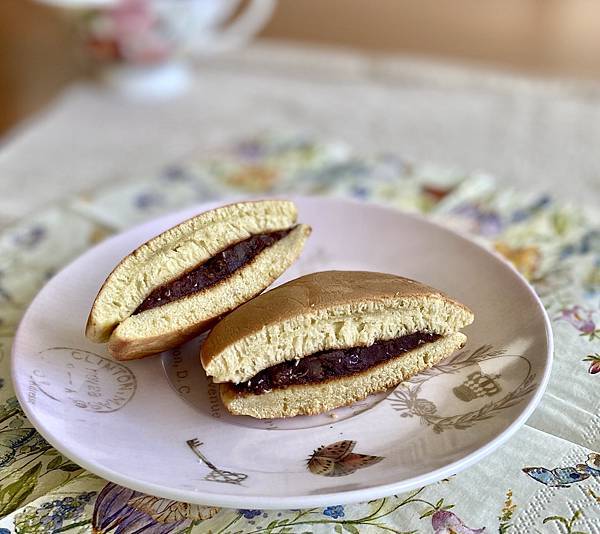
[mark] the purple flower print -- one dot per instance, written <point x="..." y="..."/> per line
<point x="112" y="512"/>
<point x="31" y="237"/>
<point x="582" y="319"/>
<point x="250" y="514"/>
<point x="120" y="510"/>
<point x="487" y="223"/>
<point x="51" y="516"/>
<point x="445" y="522"/>
<point x="250" y="149"/>
<point x="174" y="173"/>
<point x="147" y="200"/>
<point x="526" y="212"/>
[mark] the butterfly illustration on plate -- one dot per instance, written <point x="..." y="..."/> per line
<point x="563" y="477"/>
<point x="338" y="460"/>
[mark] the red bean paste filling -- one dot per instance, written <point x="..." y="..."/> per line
<point x="329" y="364"/>
<point x="211" y="272"/>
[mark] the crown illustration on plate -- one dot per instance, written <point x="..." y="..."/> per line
<point x="477" y="385"/>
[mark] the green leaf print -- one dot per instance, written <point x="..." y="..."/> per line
<point x="15" y="494"/>
<point x="16" y="422"/>
<point x="9" y="409"/>
<point x="567" y="523"/>
<point x="54" y="463"/>
<point x="70" y="467"/>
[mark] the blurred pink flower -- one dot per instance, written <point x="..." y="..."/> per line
<point x="138" y="30"/>
<point x="581" y="318"/>
<point x="131" y="31"/>
<point x="445" y="522"/>
<point x="131" y="16"/>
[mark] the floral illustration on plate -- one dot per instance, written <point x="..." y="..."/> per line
<point x="406" y="399"/>
<point x="337" y="459"/>
<point x="477" y="385"/>
<point x="563" y="477"/>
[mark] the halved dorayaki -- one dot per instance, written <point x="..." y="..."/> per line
<point x="329" y="339"/>
<point x="181" y="282"/>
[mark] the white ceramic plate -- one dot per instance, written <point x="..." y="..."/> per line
<point x="129" y="422"/>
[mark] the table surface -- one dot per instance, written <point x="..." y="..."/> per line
<point x="526" y="132"/>
<point x="356" y="127"/>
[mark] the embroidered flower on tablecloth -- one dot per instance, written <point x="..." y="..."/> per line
<point x="334" y="511"/>
<point x="591" y="283"/>
<point x="506" y="515"/>
<point x="250" y="514"/>
<point x="50" y="516"/>
<point x="483" y="220"/>
<point x="250" y="149"/>
<point x="253" y="178"/>
<point x="435" y="193"/>
<point x="30" y="237"/>
<point x="595" y="365"/>
<point x="525" y="259"/>
<point x="147" y="200"/>
<point x="174" y="173"/>
<point x="523" y="214"/>
<point x="445" y="522"/>
<point x="126" y="511"/>
<point x="582" y="319"/>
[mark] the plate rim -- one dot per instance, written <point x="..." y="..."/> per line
<point x="303" y="501"/>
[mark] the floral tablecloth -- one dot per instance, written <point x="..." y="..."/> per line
<point x="545" y="479"/>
